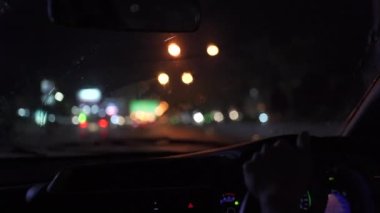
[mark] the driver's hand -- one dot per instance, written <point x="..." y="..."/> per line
<point x="279" y="174"/>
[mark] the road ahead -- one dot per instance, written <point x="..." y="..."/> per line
<point x="193" y="138"/>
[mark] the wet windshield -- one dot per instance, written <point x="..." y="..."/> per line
<point x="243" y="75"/>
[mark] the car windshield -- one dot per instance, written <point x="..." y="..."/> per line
<point x="244" y="75"/>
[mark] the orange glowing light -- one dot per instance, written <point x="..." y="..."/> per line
<point x="142" y="117"/>
<point x="161" y="108"/>
<point x="174" y="50"/>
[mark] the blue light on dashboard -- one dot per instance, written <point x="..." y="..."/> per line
<point x="227" y="198"/>
<point x="337" y="202"/>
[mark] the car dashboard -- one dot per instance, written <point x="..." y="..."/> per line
<point x="209" y="181"/>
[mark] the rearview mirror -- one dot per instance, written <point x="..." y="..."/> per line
<point x="127" y="15"/>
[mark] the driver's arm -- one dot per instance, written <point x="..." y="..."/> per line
<point x="279" y="174"/>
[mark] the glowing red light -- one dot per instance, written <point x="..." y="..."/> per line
<point x="190" y="206"/>
<point x="83" y="125"/>
<point x="103" y="123"/>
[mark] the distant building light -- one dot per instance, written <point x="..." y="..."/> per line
<point x="59" y="96"/>
<point x="163" y="78"/>
<point x="263" y="117"/>
<point x="142" y="117"/>
<point x="218" y="117"/>
<point x="198" y="118"/>
<point x="115" y="119"/>
<point x="111" y="110"/>
<point x="22" y="112"/>
<point x="92" y="95"/>
<point x="187" y="78"/>
<point x="212" y="50"/>
<point x="122" y="121"/>
<point x="74" y="120"/>
<point x="234" y="115"/>
<point x="174" y="50"/>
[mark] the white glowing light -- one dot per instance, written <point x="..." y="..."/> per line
<point x="263" y="117"/>
<point x="198" y="117"/>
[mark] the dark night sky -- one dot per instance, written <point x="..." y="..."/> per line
<point x="308" y="49"/>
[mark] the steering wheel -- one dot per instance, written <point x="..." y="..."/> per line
<point x="334" y="186"/>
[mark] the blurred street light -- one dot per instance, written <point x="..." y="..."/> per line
<point x="198" y="118"/>
<point x="174" y="50"/>
<point x="263" y="118"/>
<point x="59" y="96"/>
<point x="218" y="116"/>
<point x="75" y="120"/>
<point x="187" y="78"/>
<point x="163" y="78"/>
<point x="212" y="50"/>
<point x="234" y="115"/>
<point x="112" y="109"/>
<point x="23" y="112"/>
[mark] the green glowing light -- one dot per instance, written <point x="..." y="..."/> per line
<point x="236" y="203"/>
<point x="82" y="117"/>
<point x="331" y="178"/>
<point x="143" y="105"/>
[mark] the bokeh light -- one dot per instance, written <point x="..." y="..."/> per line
<point x="263" y="117"/>
<point x="187" y="78"/>
<point x="198" y="118"/>
<point x="218" y="117"/>
<point x="163" y="78"/>
<point x="82" y="118"/>
<point x="174" y="49"/>
<point x="212" y="50"/>
<point x="112" y="110"/>
<point x="234" y="115"/>
<point x="91" y="95"/>
<point x="103" y="123"/>
<point x="59" y="96"/>
<point x="161" y="108"/>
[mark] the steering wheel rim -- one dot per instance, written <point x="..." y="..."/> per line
<point x="359" y="184"/>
